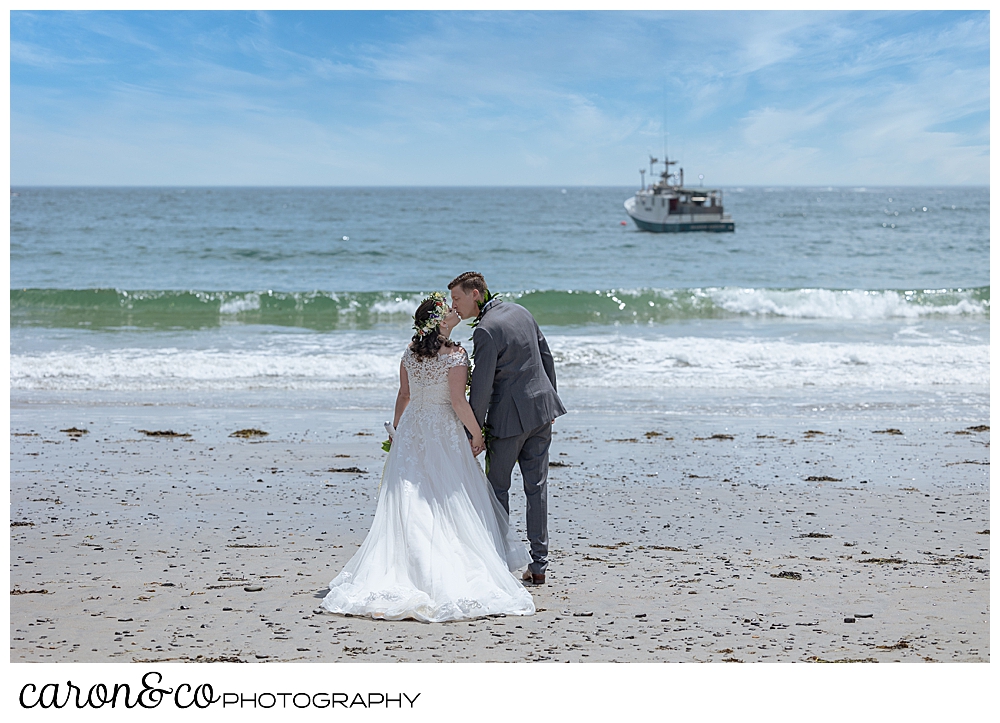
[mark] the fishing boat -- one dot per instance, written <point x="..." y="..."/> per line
<point x="668" y="207"/>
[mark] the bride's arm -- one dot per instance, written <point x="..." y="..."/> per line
<point x="457" y="377"/>
<point x="403" y="397"/>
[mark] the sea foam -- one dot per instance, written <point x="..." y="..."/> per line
<point x="846" y="304"/>
<point x="339" y="361"/>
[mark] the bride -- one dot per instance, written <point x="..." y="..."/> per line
<point x="440" y="546"/>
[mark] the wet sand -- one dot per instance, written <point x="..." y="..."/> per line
<point x="672" y="540"/>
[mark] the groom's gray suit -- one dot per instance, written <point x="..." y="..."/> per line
<point x="514" y="391"/>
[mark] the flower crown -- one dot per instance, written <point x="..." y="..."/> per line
<point x="437" y="315"/>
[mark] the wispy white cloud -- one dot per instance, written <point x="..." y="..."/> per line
<point x="113" y="27"/>
<point x="533" y="98"/>
<point x="41" y="57"/>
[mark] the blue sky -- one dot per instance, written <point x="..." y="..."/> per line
<point x="500" y="98"/>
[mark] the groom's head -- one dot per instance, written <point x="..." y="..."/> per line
<point x="467" y="291"/>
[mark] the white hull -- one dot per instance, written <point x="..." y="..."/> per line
<point x="653" y="214"/>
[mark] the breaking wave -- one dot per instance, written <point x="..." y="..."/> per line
<point x="325" y="310"/>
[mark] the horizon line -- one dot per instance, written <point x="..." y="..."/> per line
<point x="546" y="186"/>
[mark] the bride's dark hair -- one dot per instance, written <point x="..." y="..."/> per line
<point x="428" y="345"/>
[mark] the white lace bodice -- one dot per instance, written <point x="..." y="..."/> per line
<point x="429" y="377"/>
<point x="429" y="412"/>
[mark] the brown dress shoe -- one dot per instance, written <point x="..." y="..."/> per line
<point x="535" y="578"/>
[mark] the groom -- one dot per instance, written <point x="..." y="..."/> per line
<point x="514" y="392"/>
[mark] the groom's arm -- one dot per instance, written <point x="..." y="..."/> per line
<point x="485" y="368"/>
<point x="547" y="362"/>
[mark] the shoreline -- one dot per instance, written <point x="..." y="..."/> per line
<point x="682" y="545"/>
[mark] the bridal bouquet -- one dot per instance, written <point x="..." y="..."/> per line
<point x="387" y="444"/>
<point x="487" y="438"/>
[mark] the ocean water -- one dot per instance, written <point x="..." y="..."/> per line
<point x="857" y="299"/>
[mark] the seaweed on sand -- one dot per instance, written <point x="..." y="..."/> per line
<point x="169" y="433"/>
<point x="248" y="433"/>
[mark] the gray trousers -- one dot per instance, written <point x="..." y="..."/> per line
<point x="531" y="451"/>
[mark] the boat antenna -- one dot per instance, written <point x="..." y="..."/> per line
<point x="642" y="176"/>
<point x="666" y="137"/>
<point x="666" y="122"/>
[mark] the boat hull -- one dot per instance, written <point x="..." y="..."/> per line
<point x="715" y="226"/>
<point x="679" y="223"/>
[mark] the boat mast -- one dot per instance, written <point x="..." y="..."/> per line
<point x="667" y="163"/>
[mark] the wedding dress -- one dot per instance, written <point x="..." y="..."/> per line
<point x="440" y="546"/>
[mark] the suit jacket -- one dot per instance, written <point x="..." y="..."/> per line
<point x="513" y="386"/>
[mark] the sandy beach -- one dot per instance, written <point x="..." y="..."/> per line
<point x="692" y="539"/>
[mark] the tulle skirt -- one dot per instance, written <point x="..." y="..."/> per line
<point x="440" y="547"/>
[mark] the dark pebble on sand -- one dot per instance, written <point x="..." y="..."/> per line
<point x="226" y="609"/>
<point x="587" y="614"/>
<point x="640" y="615"/>
<point x="252" y="588"/>
<point x="848" y="620"/>
<point x="865" y="615"/>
